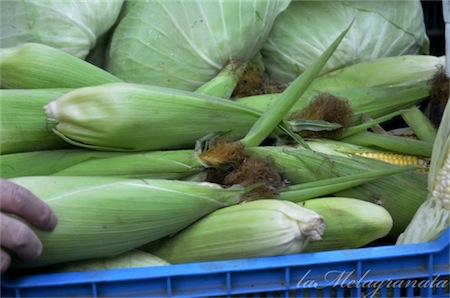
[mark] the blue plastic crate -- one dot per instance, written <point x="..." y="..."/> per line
<point x="302" y="275"/>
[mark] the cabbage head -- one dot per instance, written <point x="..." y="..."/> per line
<point x="70" y="25"/>
<point x="183" y="44"/>
<point x="306" y="28"/>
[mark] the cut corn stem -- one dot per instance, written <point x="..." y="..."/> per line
<point x="100" y="217"/>
<point x="36" y="66"/>
<point x="350" y="223"/>
<point x="391" y="143"/>
<point x="280" y="108"/>
<point x="253" y="229"/>
<point x="420" y="124"/>
<point x="225" y="81"/>
<point x="309" y="190"/>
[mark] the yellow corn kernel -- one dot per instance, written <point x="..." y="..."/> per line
<point x="396" y="159"/>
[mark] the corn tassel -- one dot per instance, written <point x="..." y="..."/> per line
<point x="254" y="229"/>
<point x="23" y="124"/>
<point x="36" y="66"/>
<point x="350" y="223"/>
<point x="103" y="217"/>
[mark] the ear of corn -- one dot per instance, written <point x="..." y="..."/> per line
<point x="131" y="259"/>
<point x="374" y="101"/>
<point x="383" y="72"/>
<point x="132" y="117"/>
<point x="433" y="216"/>
<point x="102" y="217"/>
<point x="401" y="194"/>
<point x="253" y="229"/>
<point x="78" y="162"/>
<point x="280" y="108"/>
<point x="33" y="66"/>
<point x="350" y="223"/>
<point x="23" y="125"/>
<point x="225" y="81"/>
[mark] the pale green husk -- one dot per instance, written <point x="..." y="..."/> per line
<point x="100" y="217"/>
<point x="23" y="125"/>
<point x="36" y="66"/>
<point x="433" y="216"/>
<point x="183" y="44"/>
<point x="70" y="25"/>
<point x="77" y="162"/>
<point x="131" y="117"/>
<point x="305" y="28"/>
<point x="350" y="223"/>
<point x="254" y="229"/>
<point x="132" y="259"/>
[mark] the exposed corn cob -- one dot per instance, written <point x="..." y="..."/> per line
<point x="78" y="162"/>
<point x="23" y="125"/>
<point x="400" y="194"/>
<point x="33" y="66"/>
<point x="396" y="159"/>
<point x="102" y="217"/>
<point x="254" y="229"/>
<point x="433" y="216"/>
<point x="131" y="117"/>
<point x="350" y="223"/>
<point x="131" y="259"/>
<point x="336" y="147"/>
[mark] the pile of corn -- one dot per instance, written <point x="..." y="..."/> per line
<point x="183" y="176"/>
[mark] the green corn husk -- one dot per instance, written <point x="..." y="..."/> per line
<point x="350" y="223"/>
<point x="35" y="66"/>
<point x="131" y="259"/>
<point x="309" y="190"/>
<point x="23" y="125"/>
<point x="78" y="162"/>
<point x="391" y="143"/>
<point x="254" y="229"/>
<point x="433" y="217"/>
<point x="399" y="194"/>
<point x="101" y="217"/>
<point x="129" y="117"/>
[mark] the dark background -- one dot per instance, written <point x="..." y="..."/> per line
<point x="434" y="22"/>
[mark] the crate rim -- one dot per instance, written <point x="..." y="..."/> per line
<point x="216" y="267"/>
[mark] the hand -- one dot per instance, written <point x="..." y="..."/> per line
<point x="16" y="237"/>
